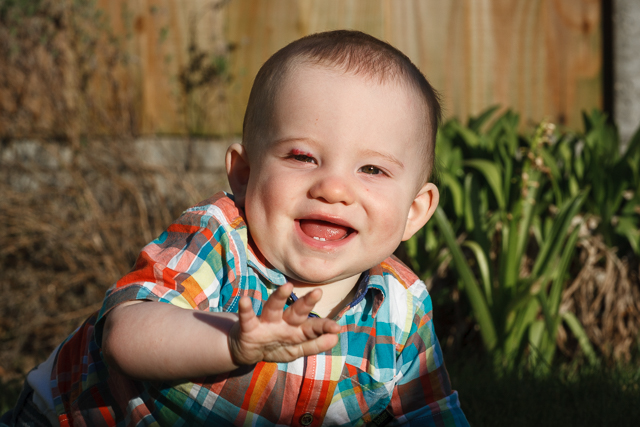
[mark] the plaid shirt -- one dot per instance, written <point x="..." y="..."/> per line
<point x="386" y="369"/>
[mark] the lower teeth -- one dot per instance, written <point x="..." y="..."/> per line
<point x="322" y="239"/>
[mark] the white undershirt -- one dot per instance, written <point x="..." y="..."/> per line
<point x="40" y="381"/>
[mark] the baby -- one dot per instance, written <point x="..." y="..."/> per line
<point x="282" y="303"/>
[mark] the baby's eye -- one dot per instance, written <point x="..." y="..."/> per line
<point x="371" y="170"/>
<point x="303" y="158"/>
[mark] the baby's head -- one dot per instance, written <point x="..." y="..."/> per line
<point x="350" y="52"/>
<point x="338" y="145"/>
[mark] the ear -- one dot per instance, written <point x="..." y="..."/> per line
<point x="423" y="206"/>
<point x="237" y="164"/>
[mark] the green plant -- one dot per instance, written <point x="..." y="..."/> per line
<point x="512" y="259"/>
<point x="596" y="159"/>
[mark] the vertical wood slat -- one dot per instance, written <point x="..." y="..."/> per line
<point x="539" y="57"/>
<point x="156" y="35"/>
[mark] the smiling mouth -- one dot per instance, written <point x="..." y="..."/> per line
<point x="324" y="231"/>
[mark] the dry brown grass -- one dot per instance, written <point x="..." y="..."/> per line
<point x="52" y="84"/>
<point x="69" y="229"/>
<point x="605" y="296"/>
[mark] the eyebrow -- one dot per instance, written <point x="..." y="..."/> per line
<point x="292" y="139"/>
<point x="276" y="143"/>
<point x="388" y="157"/>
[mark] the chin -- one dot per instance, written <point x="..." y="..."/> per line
<point x="317" y="278"/>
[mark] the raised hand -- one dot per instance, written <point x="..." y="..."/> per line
<point x="277" y="336"/>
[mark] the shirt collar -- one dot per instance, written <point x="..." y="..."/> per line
<point x="256" y="260"/>
<point x="376" y="283"/>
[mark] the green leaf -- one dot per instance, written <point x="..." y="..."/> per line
<point x="633" y="147"/>
<point x="527" y="206"/>
<point x="554" y="171"/>
<point x="471" y="287"/>
<point x="536" y="332"/>
<point x="476" y="123"/>
<point x="483" y="267"/>
<point x="453" y="185"/>
<point x="512" y="239"/>
<point x="578" y="331"/>
<point x="505" y="158"/>
<point x="491" y="172"/>
<point x="411" y="246"/>
<point x="470" y="138"/>
<point x="555" y="295"/>
<point x="522" y="320"/>
<point x="627" y="226"/>
<point x="551" y="246"/>
<point x="472" y="203"/>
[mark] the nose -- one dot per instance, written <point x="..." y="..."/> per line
<point x="333" y="189"/>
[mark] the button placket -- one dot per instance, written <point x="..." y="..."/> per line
<point x="304" y="406"/>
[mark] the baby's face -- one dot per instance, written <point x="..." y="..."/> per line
<point x="337" y="185"/>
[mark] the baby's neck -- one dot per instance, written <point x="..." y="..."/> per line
<point x="335" y="296"/>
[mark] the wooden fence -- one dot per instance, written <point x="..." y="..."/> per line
<point x="541" y="58"/>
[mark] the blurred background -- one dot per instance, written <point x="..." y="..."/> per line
<point x="115" y="116"/>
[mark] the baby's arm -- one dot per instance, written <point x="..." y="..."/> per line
<point x="159" y="341"/>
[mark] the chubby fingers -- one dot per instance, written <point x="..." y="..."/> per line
<point x="314" y="327"/>
<point x="246" y="316"/>
<point x="299" y="310"/>
<point x="272" y="309"/>
<point x="322" y="343"/>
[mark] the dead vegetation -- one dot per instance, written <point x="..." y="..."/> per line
<point x="52" y="84"/>
<point x="76" y="201"/>
<point x="605" y="296"/>
<point x="69" y="230"/>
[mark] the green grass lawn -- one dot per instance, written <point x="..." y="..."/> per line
<point x="9" y="392"/>
<point x="586" y="397"/>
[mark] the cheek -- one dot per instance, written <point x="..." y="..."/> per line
<point x="269" y="194"/>
<point x="390" y="215"/>
<point x="389" y="224"/>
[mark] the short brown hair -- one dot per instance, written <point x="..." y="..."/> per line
<point x="351" y="51"/>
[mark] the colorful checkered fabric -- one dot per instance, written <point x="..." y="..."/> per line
<point x="387" y="367"/>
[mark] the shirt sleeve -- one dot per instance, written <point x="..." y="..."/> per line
<point x="423" y="395"/>
<point x="188" y="264"/>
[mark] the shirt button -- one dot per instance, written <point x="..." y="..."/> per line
<point x="306" y="419"/>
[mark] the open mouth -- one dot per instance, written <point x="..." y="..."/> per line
<point x="324" y="231"/>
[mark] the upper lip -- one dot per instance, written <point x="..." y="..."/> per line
<point x="328" y="218"/>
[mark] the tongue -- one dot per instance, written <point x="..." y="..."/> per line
<point x="322" y="230"/>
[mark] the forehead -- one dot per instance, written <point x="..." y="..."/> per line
<point x="332" y="93"/>
<point x="301" y="68"/>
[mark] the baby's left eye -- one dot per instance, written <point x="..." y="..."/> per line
<point x="371" y="170"/>
<point x="303" y="158"/>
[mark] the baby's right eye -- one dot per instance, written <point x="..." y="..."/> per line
<point x="303" y="158"/>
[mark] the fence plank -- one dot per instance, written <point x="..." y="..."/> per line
<point x="157" y="36"/>
<point x="539" y="57"/>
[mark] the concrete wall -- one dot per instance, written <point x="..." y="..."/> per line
<point x="198" y="164"/>
<point x="203" y="159"/>
<point x="626" y="29"/>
